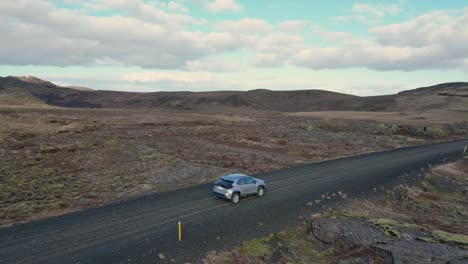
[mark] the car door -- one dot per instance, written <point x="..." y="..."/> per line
<point x="242" y="185"/>
<point x="250" y="185"/>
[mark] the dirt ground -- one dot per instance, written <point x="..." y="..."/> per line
<point x="407" y="117"/>
<point x="56" y="160"/>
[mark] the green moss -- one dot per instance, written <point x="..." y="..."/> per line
<point x="295" y="153"/>
<point x="146" y="187"/>
<point x="426" y="185"/>
<point x="310" y="126"/>
<point x="411" y="226"/>
<point x="111" y="142"/>
<point x="383" y="222"/>
<point x="57" y="205"/>
<point x="56" y="186"/>
<point x="297" y="240"/>
<point x="427" y="239"/>
<point x="387" y="128"/>
<point x="161" y="159"/>
<point x="389" y="232"/>
<point x="437" y="131"/>
<point x="386" y="225"/>
<point x="91" y="195"/>
<point x="320" y="125"/>
<point x="166" y="161"/>
<point x="151" y="156"/>
<point x="450" y="237"/>
<point x="412" y="139"/>
<point x="257" y="247"/>
<point x="47" y="172"/>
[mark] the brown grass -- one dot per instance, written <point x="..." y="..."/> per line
<point x="407" y="117"/>
<point x="54" y="160"/>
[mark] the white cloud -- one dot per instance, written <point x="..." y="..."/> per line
<point x="151" y="12"/>
<point x="369" y="13"/>
<point x="41" y="34"/>
<point x="212" y="64"/>
<point x="244" y="26"/>
<point x="428" y="29"/>
<point x="176" y="7"/>
<point x="292" y="25"/>
<point x="276" y="49"/>
<point x="222" y="41"/>
<point x="182" y="78"/>
<point x="435" y="40"/>
<point x="223" y="5"/>
<point x="378" y="10"/>
<point x="147" y="35"/>
<point x="167" y="13"/>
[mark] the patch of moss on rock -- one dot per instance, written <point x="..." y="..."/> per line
<point x="383" y="222"/>
<point x="302" y="248"/>
<point x="427" y="239"/>
<point x="386" y="225"/>
<point x="427" y="185"/>
<point x="437" y="131"/>
<point x="257" y="247"/>
<point x="450" y="237"/>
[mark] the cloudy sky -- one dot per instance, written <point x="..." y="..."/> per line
<point x="359" y="47"/>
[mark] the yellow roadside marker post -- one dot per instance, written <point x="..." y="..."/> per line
<point x="180" y="231"/>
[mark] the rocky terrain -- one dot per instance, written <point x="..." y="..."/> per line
<point x="411" y="223"/>
<point x="54" y="159"/>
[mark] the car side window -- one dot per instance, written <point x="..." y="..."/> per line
<point x="241" y="181"/>
<point x="250" y="180"/>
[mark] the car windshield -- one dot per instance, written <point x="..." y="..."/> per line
<point x="224" y="183"/>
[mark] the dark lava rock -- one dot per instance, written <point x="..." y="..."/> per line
<point x="459" y="261"/>
<point x="405" y="247"/>
<point x="445" y="184"/>
<point x="410" y="233"/>
<point x="280" y="131"/>
<point x="357" y="260"/>
<point x="458" y="128"/>
<point x="347" y="231"/>
<point x="415" y="252"/>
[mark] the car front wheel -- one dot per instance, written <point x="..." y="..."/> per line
<point x="235" y="198"/>
<point x="260" y="191"/>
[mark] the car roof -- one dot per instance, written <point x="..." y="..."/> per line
<point x="233" y="177"/>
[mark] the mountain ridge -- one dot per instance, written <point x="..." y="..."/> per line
<point x="441" y="96"/>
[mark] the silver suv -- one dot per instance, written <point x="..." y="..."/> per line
<point x="234" y="186"/>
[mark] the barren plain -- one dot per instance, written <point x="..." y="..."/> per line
<point x="55" y="160"/>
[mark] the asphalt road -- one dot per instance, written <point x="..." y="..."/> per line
<point x="138" y="229"/>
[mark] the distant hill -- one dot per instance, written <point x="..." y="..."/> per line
<point x="442" y="96"/>
<point x="447" y="89"/>
<point x="29" y="82"/>
<point x="19" y="96"/>
<point x="79" y="88"/>
<point x="453" y="96"/>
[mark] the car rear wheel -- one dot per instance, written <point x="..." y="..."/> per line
<point x="260" y="191"/>
<point x="235" y="198"/>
